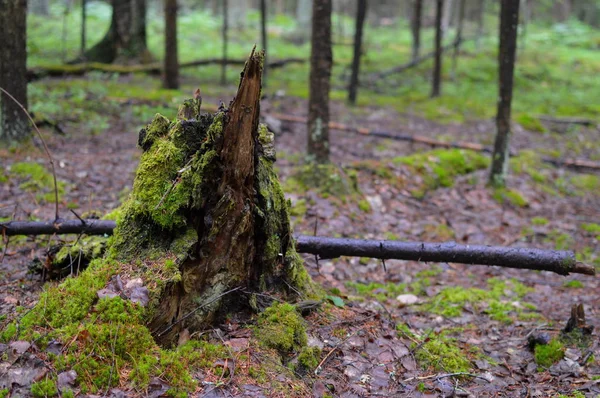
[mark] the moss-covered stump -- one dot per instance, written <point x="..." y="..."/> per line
<point x="204" y="230"/>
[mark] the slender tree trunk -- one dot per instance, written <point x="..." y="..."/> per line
<point x="446" y="16"/>
<point x="40" y="7"/>
<point x="321" y="59"/>
<point x="125" y="41"/>
<point x="83" y="27"/>
<point x="509" y="20"/>
<point x="480" y="25"/>
<point x="303" y="16"/>
<point x="224" y="39"/>
<point x="263" y="36"/>
<point x="14" y="125"/>
<point x="525" y="22"/>
<point x="361" y="12"/>
<point x="459" y="36"/>
<point x="65" y="30"/>
<point x="437" y="68"/>
<point x="416" y="28"/>
<point x="171" y="76"/>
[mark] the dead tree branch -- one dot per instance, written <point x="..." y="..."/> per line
<point x="153" y="68"/>
<point x="575" y="164"/>
<point x="560" y="262"/>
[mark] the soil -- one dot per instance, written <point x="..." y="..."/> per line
<point x="362" y="352"/>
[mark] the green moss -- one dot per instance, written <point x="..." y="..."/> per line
<point x="38" y="181"/>
<point x="4" y="392"/>
<point x="378" y="291"/>
<point x="496" y="302"/>
<point x="574" y="284"/>
<point x="530" y="123"/>
<point x="308" y="359"/>
<point x="298" y="209"/>
<point x="439" y="231"/>
<point x="503" y="195"/>
<point x="8" y="333"/>
<point x="561" y="240"/>
<point x="44" y="389"/>
<point x="440" y="167"/>
<point x="539" y="221"/>
<point x="364" y="205"/>
<point x="442" y="354"/>
<point x="593" y="229"/>
<point x="547" y="355"/>
<point x="586" y="182"/>
<point x="281" y="327"/>
<point x="328" y="179"/>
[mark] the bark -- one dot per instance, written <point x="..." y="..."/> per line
<point x="459" y="37"/>
<point x="437" y="68"/>
<point x="416" y="28"/>
<point x="125" y="40"/>
<point x="263" y="36"/>
<point x="224" y="42"/>
<point x="361" y="12"/>
<point x="14" y="124"/>
<point x="509" y="20"/>
<point x="171" y="74"/>
<point x="321" y="59"/>
<point x="560" y="262"/>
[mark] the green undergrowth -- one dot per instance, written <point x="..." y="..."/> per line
<point x="554" y="75"/>
<point x="510" y="196"/>
<point x="440" y="167"/>
<point x="547" y="355"/>
<point x="501" y="301"/>
<point x="329" y="180"/>
<point x="37" y="180"/>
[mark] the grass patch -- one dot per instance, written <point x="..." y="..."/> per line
<point x="547" y="355"/>
<point x="38" y="180"/>
<point x="510" y="196"/>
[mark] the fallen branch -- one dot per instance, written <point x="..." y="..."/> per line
<point x="560" y="262"/>
<point x="415" y="62"/>
<point x="153" y="68"/>
<point x="568" y="120"/>
<point x="575" y="164"/>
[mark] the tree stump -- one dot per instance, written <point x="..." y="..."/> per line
<point x="205" y="227"/>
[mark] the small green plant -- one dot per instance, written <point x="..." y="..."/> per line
<point x="281" y="327"/>
<point x="547" y="355"/>
<point x="574" y="284"/>
<point x="44" y="389"/>
<point x="503" y="195"/>
<point x="539" y="221"/>
<point x="442" y="354"/>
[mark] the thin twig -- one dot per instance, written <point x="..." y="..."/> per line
<point x="45" y="148"/>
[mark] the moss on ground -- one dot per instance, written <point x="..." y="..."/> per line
<point x="497" y="302"/>
<point x="440" y="167"/>
<point x="282" y="328"/>
<point x="38" y="180"/>
<point x="328" y="180"/>
<point x="547" y="355"/>
<point x="442" y="353"/>
<point x="510" y="196"/>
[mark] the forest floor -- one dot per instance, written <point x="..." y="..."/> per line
<point x="406" y="328"/>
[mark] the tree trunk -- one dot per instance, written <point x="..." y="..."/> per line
<point x="437" y="68"/>
<point x="14" y="125"/>
<point x="321" y="59"/>
<point x="361" y="12"/>
<point x="509" y="19"/>
<point x="446" y="16"/>
<point x="303" y="17"/>
<point x="125" y="41"/>
<point x="416" y="28"/>
<point x="171" y="76"/>
<point x="263" y="36"/>
<point x="459" y="37"/>
<point x="83" y="26"/>
<point x="480" y="25"/>
<point x="224" y="43"/>
<point x="40" y="7"/>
